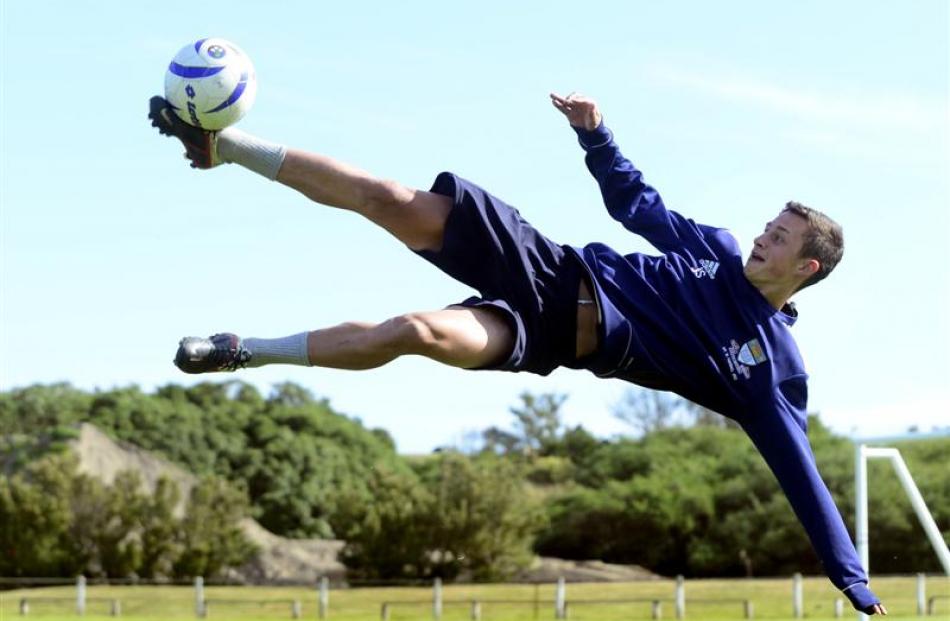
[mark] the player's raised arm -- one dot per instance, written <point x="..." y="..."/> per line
<point x="628" y="199"/>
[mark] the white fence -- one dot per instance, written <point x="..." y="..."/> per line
<point x="558" y="607"/>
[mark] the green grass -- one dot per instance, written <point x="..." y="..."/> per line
<point x="772" y="599"/>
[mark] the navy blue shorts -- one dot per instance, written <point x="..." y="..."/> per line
<point x="518" y="272"/>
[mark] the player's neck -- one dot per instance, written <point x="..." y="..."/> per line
<point x="777" y="294"/>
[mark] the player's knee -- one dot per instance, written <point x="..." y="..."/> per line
<point x="414" y="333"/>
<point x="467" y="340"/>
<point x="433" y="336"/>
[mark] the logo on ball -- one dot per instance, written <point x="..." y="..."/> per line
<point x="193" y="113"/>
<point x="215" y="51"/>
<point x="190" y="91"/>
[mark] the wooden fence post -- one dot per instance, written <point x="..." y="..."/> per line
<point x="437" y="599"/>
<point x="680" y="597"/>
<point x="81" y="595"/>
<point x="559" y="595"/>
<point x="798" y="602"/>
<point x="324" y="597"/>
<point x="200" y="606"/>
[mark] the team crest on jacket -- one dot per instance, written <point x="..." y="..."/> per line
<point x="706" y="268"/>
<point x="741" y="357"/>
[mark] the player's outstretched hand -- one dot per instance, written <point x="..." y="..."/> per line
<point x="876" y="609"/>
<point x="580" y="110"/>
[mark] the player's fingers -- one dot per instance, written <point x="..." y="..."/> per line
<point x="582" y="101"/>
<point x="569" y="99"/>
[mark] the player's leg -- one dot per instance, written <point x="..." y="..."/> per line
<point x="415" y="217"/>
<point x="458" y="336"/>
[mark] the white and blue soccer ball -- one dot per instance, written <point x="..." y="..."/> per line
<point x="211" y="83"/>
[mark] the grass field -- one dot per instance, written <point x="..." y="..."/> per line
<point x="772" y="599"/>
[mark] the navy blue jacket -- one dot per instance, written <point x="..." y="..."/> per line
<point x="690" y="322"/>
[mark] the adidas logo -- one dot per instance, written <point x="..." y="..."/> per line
<point x="707" y="268"/>
<point x="710" y="267"/>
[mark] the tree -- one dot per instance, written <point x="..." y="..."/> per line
<point x="118" y="540"/>
<point x="499" y="441"/>
<point x="158" y="527"/>
<point x="648" y="410"/>
<point x="210" y="536"/>
<point x="652" y="410"/>
<point x="38" y="407"/>
<point x="538" y="419"/>
<point x="579" y="446"/>
<point x="34" y="521"/>
<point x="385" y="533"/>
<point x="652" y="500"/>
<point x="480" y="520"/>
<point x="291" y="395"/>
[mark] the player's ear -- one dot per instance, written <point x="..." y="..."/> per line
<point x="809" y="267"/>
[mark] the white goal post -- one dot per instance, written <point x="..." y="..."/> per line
<point x="862" y="455"/>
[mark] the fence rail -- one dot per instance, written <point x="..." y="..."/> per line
<point x="932" y="602"/>
<point x="115" y="605"/>
<point x="295" y="607"/>
<point x="655" y="603"/>
<point x="475" y="605"/>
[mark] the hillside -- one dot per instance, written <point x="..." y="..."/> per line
<point x="279" y="559"/>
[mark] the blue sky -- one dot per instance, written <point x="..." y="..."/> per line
<point x="112" y="248"/>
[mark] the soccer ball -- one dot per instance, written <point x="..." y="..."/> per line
<point x="210" y="84"/>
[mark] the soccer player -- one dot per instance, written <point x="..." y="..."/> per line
<point x="696" y="320"/>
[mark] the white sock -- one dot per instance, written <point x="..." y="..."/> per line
<point x="287" y="350"/>
<point x="261" y="156"/>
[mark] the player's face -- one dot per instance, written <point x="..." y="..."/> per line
<point x="775" y="254"/>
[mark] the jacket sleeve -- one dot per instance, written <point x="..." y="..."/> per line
<point x="780" y="437"/>
<point x="631" y="201"/>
